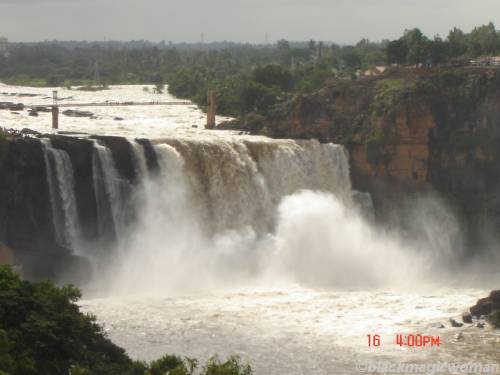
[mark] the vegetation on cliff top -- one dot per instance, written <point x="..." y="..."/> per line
<point x="246" y="78"/>
<point x="42" y="331"/>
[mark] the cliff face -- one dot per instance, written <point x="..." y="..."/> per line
<point x="411" y="132"/>
<point x="26" y="215"/>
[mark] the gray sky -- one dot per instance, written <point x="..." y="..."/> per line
<point x="342" y="21"/>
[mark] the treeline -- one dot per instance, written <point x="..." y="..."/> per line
<point x="415" y="48"/>
<point x="246" y="78"/>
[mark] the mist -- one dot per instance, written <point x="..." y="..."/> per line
<point x="317" y="239"/>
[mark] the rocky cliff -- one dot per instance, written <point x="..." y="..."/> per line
<point x="27" y="223"/>
<point x="408" y="132"/>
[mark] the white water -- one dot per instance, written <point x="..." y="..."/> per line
<point x="139" y="121"/>
<point x="251" y="246"/>
<point x="107" y="189"/>
<point x="61" y="185"/>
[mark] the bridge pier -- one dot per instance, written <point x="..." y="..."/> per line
<point x="55" y="117"/>
<point x="211" y="109"/>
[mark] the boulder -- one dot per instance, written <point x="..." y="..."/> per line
<point x="43" y="109"/>
<point x="485" y="306"/>
<point x="467" y="318"/>
<point x="33" y="113"/>
<point x="455" y="324"/>
<point x="56" y="264"/>
<point x="16" y="107"/>
<point x="75" y="113"/>
<point x="28" y="131"/>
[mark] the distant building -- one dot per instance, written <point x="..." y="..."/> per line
<point x="377" y="71"/>
<point x="4" y="43"/>
<point x="486" y="60"/>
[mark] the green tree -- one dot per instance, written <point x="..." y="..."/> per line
<point x="351" y="58"/>
<point x="283" y="51"/>
<point x="46" y="334"/>
<point x="397" y="52"/>
<point x="231" y="367"/>
<point x="159" y="83"/>
<point x="416" y="43"/>
<point x="437" y="51"/>
<point x="273" y="75"/>
<point x="485" y="39"/>
<point x="457" y="43"/>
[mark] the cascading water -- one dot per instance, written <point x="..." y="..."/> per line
<point x="140" y="163"/>
<point x="212" y="209"/>
<point x="107" y="191"/>
<point x="61" y="184"/>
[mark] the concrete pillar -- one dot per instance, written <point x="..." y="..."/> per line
<point x="211" y="110"/>
<point x="55" y="117"/>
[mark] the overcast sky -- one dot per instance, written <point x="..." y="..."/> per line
<point x="341" y="21"/>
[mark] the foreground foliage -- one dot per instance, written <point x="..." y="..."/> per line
<point x="42" y="331"/>
<point x="494" y="319"/>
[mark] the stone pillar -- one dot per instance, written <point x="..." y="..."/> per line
<point x="55" y="117"/>
<point x="211" y="109"/>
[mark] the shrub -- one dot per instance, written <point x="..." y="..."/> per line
<point x="42" y="331"/>
<point x="168" y="364"/>
<point x="231" y="367"/>
<point x="494" y="319"/>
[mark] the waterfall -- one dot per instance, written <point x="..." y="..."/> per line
<point x="240" y="183"/>
<point x="107" y="192"/>
<point x="363" y="203"/>
<point x="61" y="184"/>
<point x="212" y="209"/>
<point x="140" y="162"/>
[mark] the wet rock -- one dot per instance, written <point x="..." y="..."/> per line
<point x="25" y="211"/>
<point x="81" y="152"/>
<point x="33" y="113"/>
<point x="75" y="113"/>
<point x="467" y="318"/>
<point x="455" y="324"/>
<point x="122" y="152"/>
<point x="230" y="125"/>
<point x="438" y="325"/>
<point x="28" y="131"/>
<point x="151" y="157"/>
<point x="480" y="325"/>
<point x="42" y="109"/>
<point x="194" y="126"/>
<point x="119" y="119"/>
<point x="485" y="306"/>
<point x="16" y="107"/>
<point x="55" y="263"/>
